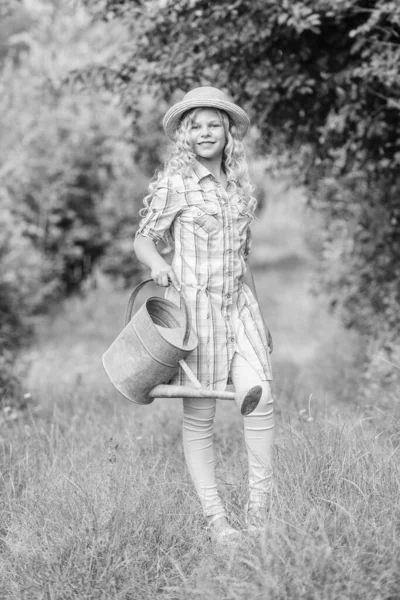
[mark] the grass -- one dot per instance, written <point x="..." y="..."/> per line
<point x="96" y="502"/>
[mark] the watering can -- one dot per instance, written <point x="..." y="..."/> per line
<point x="150" y="349"/>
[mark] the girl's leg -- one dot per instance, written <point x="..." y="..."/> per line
<point x="259" y="431"/>
<point x="198" y="420"/>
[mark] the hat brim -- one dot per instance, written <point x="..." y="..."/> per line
<point x="175" y="113"/>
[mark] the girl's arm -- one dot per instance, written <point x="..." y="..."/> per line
<point x="249" y="280"/>
<point x="161" y="272"/>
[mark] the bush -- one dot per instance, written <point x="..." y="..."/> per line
<point x="318" y="77"/>
<point x="69" y="185"/>
<point x="19" y="263"/>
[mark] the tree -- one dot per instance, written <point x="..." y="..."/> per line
<point x="69" y="186"/>
<point x="320" y="78"/>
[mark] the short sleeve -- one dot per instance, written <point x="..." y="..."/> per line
<point x="248" y="243"/>
<point x="163" y="209"/>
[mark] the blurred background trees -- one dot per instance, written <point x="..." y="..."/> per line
<point x="321" y="81"/>
<point x="83" y="88"/>
<point x="69" y="183"/>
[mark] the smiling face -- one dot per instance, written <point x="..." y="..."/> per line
<point x="207" y="135"/>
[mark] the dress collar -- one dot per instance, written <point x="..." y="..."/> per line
<point x="199" y="171"/>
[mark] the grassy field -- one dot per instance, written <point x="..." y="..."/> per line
<point x="96" y="502"/>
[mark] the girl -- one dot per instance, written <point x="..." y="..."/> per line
<point x="201" y="206"/>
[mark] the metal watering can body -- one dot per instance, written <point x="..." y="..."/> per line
<point x="148" y="350"/>
<point x="151" y="348"/>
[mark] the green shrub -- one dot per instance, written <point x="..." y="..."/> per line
<point x="318" y="77"/>
<point x="18" y="264"/>
<point x="69" y="188"/>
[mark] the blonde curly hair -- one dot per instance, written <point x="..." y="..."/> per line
<point x="180" y="158"/>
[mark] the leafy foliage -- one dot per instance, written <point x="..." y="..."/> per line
<point x="69" y="184"/>
<point x="318" y="77"/>
<point x="13" y="328"/>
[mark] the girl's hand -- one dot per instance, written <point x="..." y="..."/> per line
<point x="163" y="274"/>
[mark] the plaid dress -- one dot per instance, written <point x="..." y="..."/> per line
<point x="211" y="238"/>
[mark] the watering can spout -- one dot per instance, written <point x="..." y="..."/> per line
<point x="247" y="403"/>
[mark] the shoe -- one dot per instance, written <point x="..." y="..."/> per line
<point x="256" y="516"/>
<point x="226" y="537"/>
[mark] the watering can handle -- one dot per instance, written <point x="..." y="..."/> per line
<point x="186" y="308"/>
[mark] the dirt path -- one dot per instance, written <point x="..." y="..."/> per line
<point x="311" y="349"/>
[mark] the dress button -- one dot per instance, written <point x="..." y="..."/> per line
<point x="229" y="251"/>
<point x="232" y="339"/>
<point x="228" y="295"/>
<point x="199" y="214"/>
<point x="229" y="227"/>
<point x="229" y="273"/>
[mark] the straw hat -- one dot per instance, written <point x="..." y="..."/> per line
<point x="205" y="97"/>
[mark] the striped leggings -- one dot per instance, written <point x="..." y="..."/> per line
<point x="198" y="420"/>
